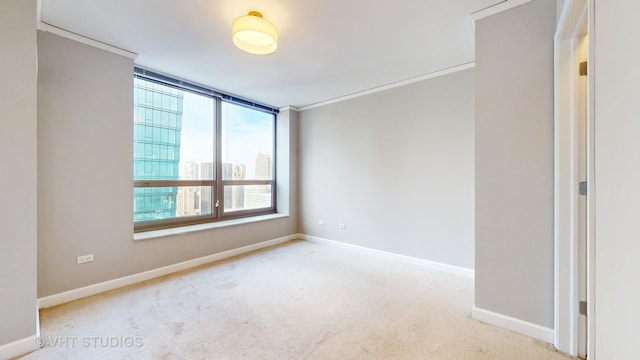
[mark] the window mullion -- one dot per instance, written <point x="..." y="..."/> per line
<point x="274" y="165"/>
<point x="219" y="191"/>
<point x="169" y="183"/>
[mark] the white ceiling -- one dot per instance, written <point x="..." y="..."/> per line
<point x="327" y="48"/>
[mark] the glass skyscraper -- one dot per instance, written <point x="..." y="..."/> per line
<point x="156" y="152"/>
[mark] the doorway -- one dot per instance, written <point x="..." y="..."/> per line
<point x="573" y="181"/>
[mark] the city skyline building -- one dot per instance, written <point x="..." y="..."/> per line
<point x="237" y="192"/>
<point x="189" y="170"/>
<point x="264" y="167"/>
<point x="188" y="197"/>
<point x="227" y="173"/>
<point x="188" y="201"/>
<point x="206" y="173"/>
<point x="259" y="196"/>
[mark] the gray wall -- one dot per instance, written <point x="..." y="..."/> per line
<point x="617" y="175"/>
<point x="396" y="167"/>
<point x="18" y="170"/>
<point x="514" y="162"/>
<point x="85" y="176"/>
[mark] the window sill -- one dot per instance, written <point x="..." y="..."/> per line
<point x="154" y="234"/>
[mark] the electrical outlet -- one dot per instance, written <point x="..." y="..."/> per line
<point x="84" y="259"/>
<point x="321" y="222"/>
<point x="342" y="226"/>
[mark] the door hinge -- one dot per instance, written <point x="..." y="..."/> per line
<point x="583" y="68"/>
<point x="583" y="308"/>
<point x="582" y="188"/>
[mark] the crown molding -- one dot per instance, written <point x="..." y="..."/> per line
<point x="497" y="8"/>
<point x="431" y="75"/>
<point x="289" y="108"/>
<point x="43" y="26"/>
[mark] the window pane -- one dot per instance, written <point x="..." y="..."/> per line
<point x="247" y="143"/>
<point x="154" y="203"/>
<point x="157" y="203"/>
<point x="196" y="140"/>
<point x="177" y="135"/>
<point x="246" y="197"/>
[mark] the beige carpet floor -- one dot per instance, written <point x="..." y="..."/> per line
<point x="300" y="300"/>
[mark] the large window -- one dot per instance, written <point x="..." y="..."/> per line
<point x="199" y="156"/>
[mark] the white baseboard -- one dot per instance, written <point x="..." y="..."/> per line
<point x="407" y="259"/>
<point x="19" y="347"/>
<point x="67" y="296"/>
<point x="522" y="327"/>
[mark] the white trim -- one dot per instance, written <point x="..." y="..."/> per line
<point x="43" y="26"/>
<point x="289" y="107"/>
<point x="591" y="174"/>
<point x="406" y="259"/>
<point x="522" y="327"/>
<point x="566" y="242"/>
<point x="67" y="296"/>
<point x="37" y="320"/>
<point x="19" y="347"/>
<point x="498" y="8"/>
<point x="431" y="75"/>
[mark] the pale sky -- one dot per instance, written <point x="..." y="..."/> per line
<point x="248" y="132"/>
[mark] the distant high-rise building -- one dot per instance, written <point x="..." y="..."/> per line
<point x="156" y="153"/>
<point x="227" y="174"/>
<point x="189" y="171"/>
<point x="237" y="192"/>
<point x="239" y="172"/>
<point x="188" y="201"/>
<point x="206" y="173"/>
<point x="233" y="195"/>
<point x="264" y="167"/>
<point x="189" y="198"/>
<point x="257" y="196"/>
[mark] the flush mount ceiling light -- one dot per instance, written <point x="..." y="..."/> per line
<point x="254" y="34"/>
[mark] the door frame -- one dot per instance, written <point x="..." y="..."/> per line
<point x="566" y="298"/>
